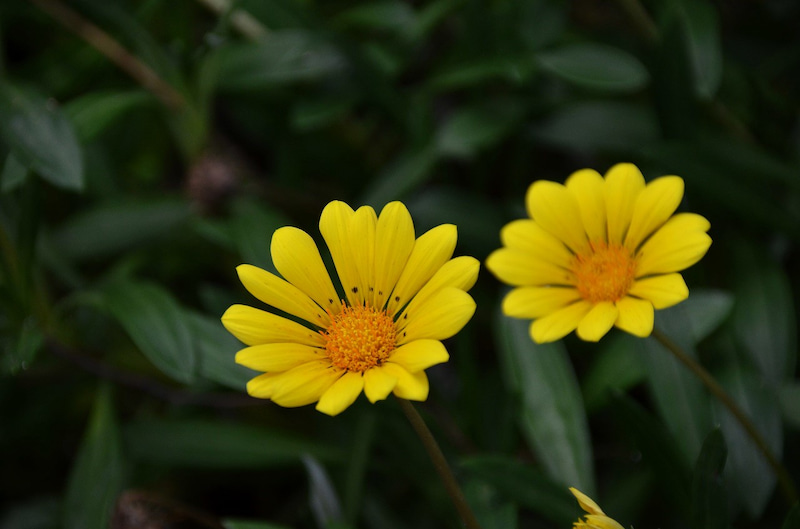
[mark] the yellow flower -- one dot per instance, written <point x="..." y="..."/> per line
<point x="402" y="296"/>
<point x="598" y="252"/>
<point x="596" y="519"/>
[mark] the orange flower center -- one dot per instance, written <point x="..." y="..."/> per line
<point x="605" y="273"/>
<point x="359" y="338"/>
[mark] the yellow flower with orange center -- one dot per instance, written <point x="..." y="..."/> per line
<point x="596" y="518"/>
<point x="598" y="252"/>
<point x="400" y="296"/>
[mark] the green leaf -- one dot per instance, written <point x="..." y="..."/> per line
<point x="216" y="350"/>
<point x="40" y="513"/>
<point x="402" y="176"/>
<point x="13" y="175"/>
<point x="284" y="57"/>
<point x="252" y="226"/>
<point x="92" y="113"/>
<point x="97" y="476"/>
<point x="552" y="417"/>
<point x="704" y="45"/>
<point x="479" y="72"/>
<point x="790" y="404"/>
<point x="322" y="496"/>
<point x="471" y="129"/>
<point x="311" y="114"/>
<point x="490" y="510"/>
<point x="705" y="311"/>
<point x="207" y="443"/>
<point x="524" y="485"/>
<point x="21" y="350"/>
<point x="392" y="16"/>
<point x="156" y="324"/>
<point x="113" y="228"/>
<point x="617" y="367"/>
<point x="40" y="137"/>
<point x="599" y="125"/>
<point x="595" y="66"/>
<point x="709" y="500"/>
<point x="793" y="518"/>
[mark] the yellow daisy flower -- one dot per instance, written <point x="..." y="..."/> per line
<point x="598" y="252"/>
<point x="596" y="519"/>
<point x="402" y="296"/>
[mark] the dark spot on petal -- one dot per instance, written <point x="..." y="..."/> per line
<point x="397" y="298"/>
<point x="404" y="334"/>
<point x="330" y="301"/>
<point x="405" y="316"/>
<point x="355" y="290"/>
<point x="380" y="292"/>
<point x="371" y="289"/>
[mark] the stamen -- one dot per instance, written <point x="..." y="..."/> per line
<point x="605" y="273"/>
<point x="359" y="338"/>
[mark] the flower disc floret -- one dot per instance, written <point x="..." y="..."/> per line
<point x="604" y="273"/>
<point x="360" y="338"/>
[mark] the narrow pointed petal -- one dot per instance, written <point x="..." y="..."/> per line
<point x="297" y="259"/>
<point x="587" y="186"/>
<point x="623" y="184"/>
<point x="662" y="291"/>
<point x="560" y="323"/>
<point x="363" y="249"/>
<point x="460" y="272"/>
<point x="304" y="384"/>
<point x="335" y="224"/>
<point x="255" y="327"/>
<point x="555" y="209"/>
<point x="653" y="208"/>
<point x="341" y="394"/>
<point x="281" y="294"/>
<point x="526" y="236"/>
<point x="586" y="503"/>
<point x="679" y="244"/>
<point x="394" y="241"/>
<point x="433" y="249"/>
<point x="278" y="356"/>
<point x="441" y="317"/>
<point x="419" y="355"/>
<point x="635" y="316"/>
<point x="521" y="269"/>
<point x="535" y="302"/>
<point x="262" y="386"/>
<point x="378" y="384"/>
<point x="597" y="322"/>
<point x="600" y="521"/>
<point x="409" y="386"/>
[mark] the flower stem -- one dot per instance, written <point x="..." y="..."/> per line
<point x="440" y="463"/>
<point x="785" y="481"/>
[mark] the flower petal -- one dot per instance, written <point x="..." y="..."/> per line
<point x="341" y="394"/>
<point x="410" y="386"/>
<point x="394" y="241"/>
<point x="522" y="269"/>
<point x="599" y="521"/>
<point x="528" y="237"/>
<point x="362" y="247"/>
<point x="460" y="272"/>
<point x="560" y="323"/>
<point x="378" y="384"/>
<point x="297" y="259"/>
<point x="555" y="209"/>
<point x="587" y="186"/>
<point x="535" y="302"/>
<point x="624" y="183"/>
<point x="419" y="355"/>
<point x="262" y="386"/>
<point x="281" y="294"/>
<point x="662" y="291"/>
<point x="635" y="316"/>
<point x="277" y="356"/>
<point x="431" y="251"/>
<point x="304" y="384"/>
<point x="255" y="327"/>
<point x="597" y="321"/>
<point x="655" y="205"/>
<point x="336" y="224"/>
<point x="677" y="245"/>
<point x="442" y="316"/>
<point x="586" y="503"/>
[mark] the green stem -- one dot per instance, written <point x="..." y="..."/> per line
<point x="785" y="481"/>
<point x="440" y="463"/>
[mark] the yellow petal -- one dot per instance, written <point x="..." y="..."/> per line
<point x="409" y="386"/>
<point x="282" y="295"/>
<point x="394" y="241"/>
<point x="526" y="236"/>
<point x="431" y="251"/>
<point x="662" y="291"/>
<point x="460" y="272"/>
<point x="362" y="241"/>
<point x="599" y="521"/>
<point x="521" y="269"/>
<point x="255" y="327"/>
<point x="635" y="316"/>
<point x="336" y="224"/>
<point x="655" y="205"/>
<point x="420" y="354"/>
<point x="304" y="384"/>
<point x="441" y="317"/>
<point x="261" y="387"/>
<point x="624" y="183"/>
<point x="277" y="356"/>
<point x="587" y="187"/>
<point x="555" y="209"/>
<point x="597" y="322"/>
<point x="586" y="503"/>
<point x="560" y="323"/>
<point x="297" y="259"/>
<point x="378" y="384"/>
<point x="535" y="302"/>
<point x="679" y="244"/>
<point x="341" y="394"/>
